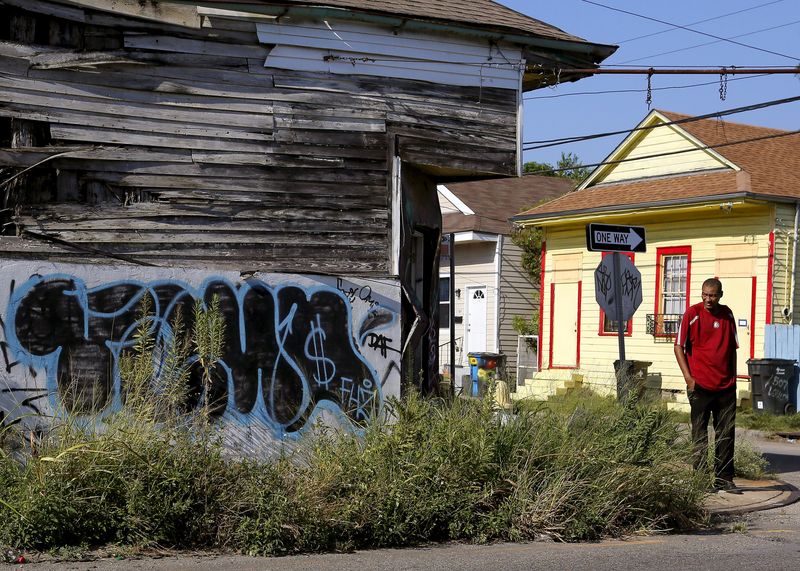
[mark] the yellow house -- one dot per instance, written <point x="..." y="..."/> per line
<point x="717" y="199"/>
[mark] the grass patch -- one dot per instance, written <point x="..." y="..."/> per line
<point x="749" y="463"/>
<point x="768" y="422"/>
<point x="156" y="475"/>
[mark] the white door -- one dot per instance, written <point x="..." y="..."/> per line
<point x="476" y="319"/>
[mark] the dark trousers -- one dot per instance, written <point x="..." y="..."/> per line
<point x="721" y="407"/>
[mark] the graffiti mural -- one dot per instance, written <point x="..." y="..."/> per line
<point x="293" y="346"/>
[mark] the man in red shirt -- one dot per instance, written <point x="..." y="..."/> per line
<point x="706" y="352"/>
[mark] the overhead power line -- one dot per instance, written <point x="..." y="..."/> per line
<point x="712" y="42"/>
<point x="689" y="29"/>
<point x="702" y="21"/>
<point x="666" y="88"/>
<point x="726" y="70"/>
<point x="564" y="140"/>
<point x="670" y="153"/>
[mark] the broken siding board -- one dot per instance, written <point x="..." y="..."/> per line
<point x="119" y="123"/>
<point x="22" y="100"/>
<point x="471" y="138"/>
<point x="141" y="82"/>
<point x="445" y="95"/>
<point x="141" y="138"/>
<point x="321" y="203"/>
<point x="199" y="250"/>
<point x="192" y="46"/>
<point x="333" y="124"/>
<point x="156" y="211"/>
<point x="280" y="178"/>
<point x="14" y="87"/>
<point x="48" y="9"/>
<point x="325" y="139"/>
<point x="248" y="262"/>
<point x="211" y="75"/>
<point x="343" y="62"/>
<point x="229" y="238"/>
<point x="164" y="13"/>
<point x="298" y="224"/>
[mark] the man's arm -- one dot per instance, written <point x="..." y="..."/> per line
<point x="680" y="356"/>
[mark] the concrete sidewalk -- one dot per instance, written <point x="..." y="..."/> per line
<point x="751" y="496"/>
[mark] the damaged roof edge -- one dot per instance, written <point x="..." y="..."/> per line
<point x="597" y="52"/>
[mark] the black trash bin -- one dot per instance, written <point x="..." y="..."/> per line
<point x="631" y="377"/>
<point x="773" y="385"/>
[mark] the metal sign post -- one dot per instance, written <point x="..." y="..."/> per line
<point x="618" y="288"/>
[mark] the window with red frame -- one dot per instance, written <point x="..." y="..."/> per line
<point x="608" y="326"/>
<point x="673" y="273"/>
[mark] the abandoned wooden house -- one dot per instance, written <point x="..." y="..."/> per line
<point x="282" y="156"/>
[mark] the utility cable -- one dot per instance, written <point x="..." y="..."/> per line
<point x="701" y="21"/>
<point x="711" y="42"/>
<point x="666" y="88"/>
<point x="688" y="29"/>
<point x="670" y="153"/>
<point x="715" y="114"/>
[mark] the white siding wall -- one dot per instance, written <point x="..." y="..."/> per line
<point x="349" y="48"/>
<point x="518" y="296"/>
<point x="474" y="266"/>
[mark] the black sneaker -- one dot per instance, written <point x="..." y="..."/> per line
<point x="722" y="485"/>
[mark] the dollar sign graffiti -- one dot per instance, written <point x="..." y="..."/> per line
<point x="315" y="341"/>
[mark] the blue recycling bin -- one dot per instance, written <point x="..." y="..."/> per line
<point x="484" y="366"/>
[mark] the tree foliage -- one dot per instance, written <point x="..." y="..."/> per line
<point x="568" y="166"/>
<point x="529" y="238"/>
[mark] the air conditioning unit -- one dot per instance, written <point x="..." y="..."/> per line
<point x="527" y="357"/>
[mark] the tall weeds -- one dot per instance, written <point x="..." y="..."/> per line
<point x="154" y="473"/>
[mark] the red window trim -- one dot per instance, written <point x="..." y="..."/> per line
<point x="671" y="251"/>
<point x="770" y="269"/>
<point x="629" y="331"/>
<point x="541" y="306"/>
<point x="578" y="348"/>
<point x="753" y="319"/>
<point x="552" y="312"/>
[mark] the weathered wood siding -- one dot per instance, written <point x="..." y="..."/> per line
<point x="518" y="297"/>
<point x="170" y="143"/>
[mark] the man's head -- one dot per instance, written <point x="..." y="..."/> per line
<point x="712" y="292"/>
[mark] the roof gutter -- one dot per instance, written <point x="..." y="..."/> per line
<point x="699" y="201"/>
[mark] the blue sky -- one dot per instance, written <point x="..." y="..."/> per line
<point x="547" y="117"/>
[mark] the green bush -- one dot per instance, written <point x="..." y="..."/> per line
<point x="431" y="470"/>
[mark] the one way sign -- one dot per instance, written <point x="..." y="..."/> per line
<point x="611" y="238"/>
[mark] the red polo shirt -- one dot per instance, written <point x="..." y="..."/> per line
<point x="710" y="344"/>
